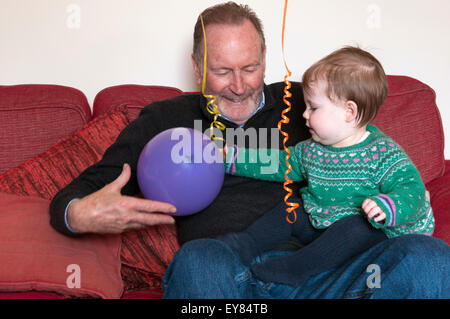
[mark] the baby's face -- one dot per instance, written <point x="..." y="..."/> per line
<point x="326" y="118"/>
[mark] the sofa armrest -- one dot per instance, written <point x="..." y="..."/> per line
<point x="439" y="190"/>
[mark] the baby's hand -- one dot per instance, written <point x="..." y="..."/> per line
<point x="371" y="209"/>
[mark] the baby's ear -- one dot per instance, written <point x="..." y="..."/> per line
<point x="351" y="109"/>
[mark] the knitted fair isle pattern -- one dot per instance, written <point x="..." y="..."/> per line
<point x="340" y="179"/>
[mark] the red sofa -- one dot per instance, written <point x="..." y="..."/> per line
<point x="43" y="126"/>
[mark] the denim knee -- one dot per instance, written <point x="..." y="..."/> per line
<point x="203" y="268"/>
<point x="205" y="253"/>
<point x="422" y="268"/>
<point x="422" y="246"/>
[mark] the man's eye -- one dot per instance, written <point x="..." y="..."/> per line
<point x="222" y="72"/>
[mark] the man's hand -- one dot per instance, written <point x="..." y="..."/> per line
<point x="107" y="211"/>
<point x="371" y="209"/>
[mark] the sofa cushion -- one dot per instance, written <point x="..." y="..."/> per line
<point x="146" y="253"/>
<point x="440" y="199"/>
<point x="410" y="116"/>
<point x="133" y="97"/>
<point x="45" y="174"/>
<point x="34" y="117"/>
<point x="36" y="257"/>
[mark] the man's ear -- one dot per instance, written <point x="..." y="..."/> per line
<point x="351" y="109"/>
<point x="197" y="70"/>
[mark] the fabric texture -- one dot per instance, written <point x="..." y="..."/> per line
<point x="342" y="241"/>
<point x="132" y="97"/>
<point x="33" y="118"/>
<point x="340" y="179"/>
<point x="440" y="199"/>
<point x="324" y="248"/>
<point x="145" y="253"/>
<point x="37" y="258"/>
<point x="410" y="266"/>
<point x="240" y="200"/>
<point x="411" y="105"/>
<point x="45" y="174"/>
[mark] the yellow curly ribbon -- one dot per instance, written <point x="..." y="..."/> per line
<point x="211" y="106"/>
<point x="285" y="120"/>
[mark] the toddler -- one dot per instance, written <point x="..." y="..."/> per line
<point x="361" y="189"/>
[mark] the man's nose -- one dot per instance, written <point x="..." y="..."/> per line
<point x="237" y="84"/>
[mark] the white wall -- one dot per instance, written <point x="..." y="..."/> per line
<point x="92" y="44"/>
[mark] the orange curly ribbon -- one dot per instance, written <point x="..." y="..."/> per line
<point x="285" y="120"/>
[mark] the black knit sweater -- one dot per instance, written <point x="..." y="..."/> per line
<point x="241" y="200"/>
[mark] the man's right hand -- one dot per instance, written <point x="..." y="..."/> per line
<point x="107" y="211"/>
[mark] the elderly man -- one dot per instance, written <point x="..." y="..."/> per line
<point x="101" y="199"/>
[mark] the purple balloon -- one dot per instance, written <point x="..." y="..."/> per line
<point x="183" y="167"/>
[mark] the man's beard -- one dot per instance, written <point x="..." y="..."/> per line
<point x="228" y="111"/>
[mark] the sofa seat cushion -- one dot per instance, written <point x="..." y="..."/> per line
<point x="37" y="258"/>
<point x="34" y="117"/>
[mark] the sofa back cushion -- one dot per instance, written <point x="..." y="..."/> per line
<point x="131" y="96"/>
<point x="34" y="117"/>
<point x="44" y="175"/>
<point x="410" y="116"/>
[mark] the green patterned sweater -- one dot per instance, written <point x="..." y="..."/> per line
<point x="340" y="179"/>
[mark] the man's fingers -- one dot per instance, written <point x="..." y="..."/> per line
<point x="150" y="219"/>
<point x="149" y="213"/>
<point x="147" y="206"/>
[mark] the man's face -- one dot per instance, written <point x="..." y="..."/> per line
<point x="235" y="69"/>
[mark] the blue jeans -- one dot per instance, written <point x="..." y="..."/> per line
<point x="410" y="266"/>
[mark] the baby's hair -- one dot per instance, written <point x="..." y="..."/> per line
<point x="352" y="74"/>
